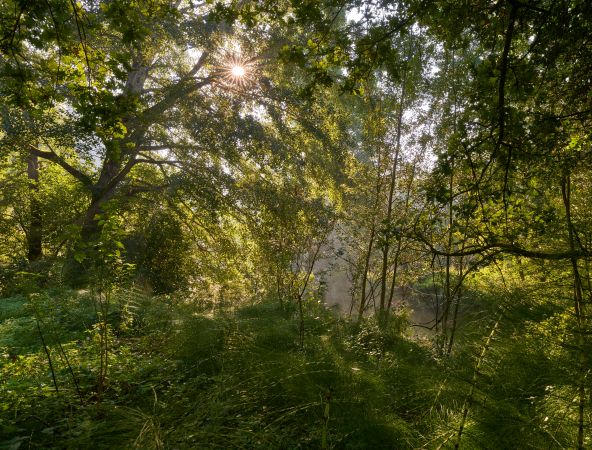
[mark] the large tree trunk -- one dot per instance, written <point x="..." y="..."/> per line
<point x="90" y="230"/>
<point x="110" y="179"/>
<point x="83" y="256"/>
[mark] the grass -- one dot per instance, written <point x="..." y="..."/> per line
<point x="181" y="378"/>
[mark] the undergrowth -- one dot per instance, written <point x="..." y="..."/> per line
<point x="181" y="376"/>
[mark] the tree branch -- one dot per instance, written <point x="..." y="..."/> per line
<point x="162" y="147"/>
<point x="133" y="190"/>
<point x="532" y="7"/>
<point x="501" y="101"/>
<point x="182" y="88"/>
<point x="198" y="65"/>
<point x="503" y="68"/>
<point x="511" y="249"/>
<point x="161" y="162"/>
<point x="112" y="184"/>
<point x="54" y="157"/>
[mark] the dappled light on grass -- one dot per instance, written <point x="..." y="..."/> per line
<point x="184" y="376"/>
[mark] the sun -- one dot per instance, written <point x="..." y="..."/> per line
<point x="238" y="71"/>
<point x="235" y="70"/>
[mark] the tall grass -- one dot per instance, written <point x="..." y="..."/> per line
<point x="183" y="377"/>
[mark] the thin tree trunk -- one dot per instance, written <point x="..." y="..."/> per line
<point x="447" y="289"/>
<point x="400" y="238"/>
<point x="53" y="377"/>
<point x="35" y="232"/>
<point x="362" y="305"/>
<point x="365" y="273"/>
<point x="458" y="295"/>
<point x="300" y="294"/>
<point x="436" y="294"/>
<point x="447" y="282"/>
<point x="469" y="400"/>
<point x="578" y="308"/>
<point x="389" y="213"/>
<point x="394" y="278"/>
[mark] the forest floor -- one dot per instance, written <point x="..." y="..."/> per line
<point x="184" y="377"/>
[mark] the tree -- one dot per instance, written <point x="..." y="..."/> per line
<point x="97" y="88"/>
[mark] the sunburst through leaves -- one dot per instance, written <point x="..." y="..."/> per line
<point x="236" y="70"/>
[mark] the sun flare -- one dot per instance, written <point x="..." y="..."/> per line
<point x="238" y="71"/>
<point x="235" y="70"/>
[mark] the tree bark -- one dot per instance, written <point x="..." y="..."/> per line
<point x="400" y="237"/>
<point x="458" y="295"/>
<point x="362" y="306"/>
<point x="448" y="296"/>
<point x="35" y="232"/>
<point x="578" y="308"/>
<point x="386" y="247"/>
<point x="378" y="189"/>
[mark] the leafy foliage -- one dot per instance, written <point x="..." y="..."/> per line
<point x="210" y="176"/>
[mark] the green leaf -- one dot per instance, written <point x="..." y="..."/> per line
<point x="79" y="257"/>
